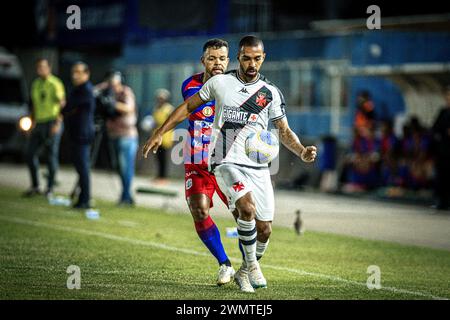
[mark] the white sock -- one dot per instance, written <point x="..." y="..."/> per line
<point x="261" y="248"/>
<point x="247" y="237"/>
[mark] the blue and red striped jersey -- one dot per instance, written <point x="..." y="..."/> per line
<point x="200" y="124"/>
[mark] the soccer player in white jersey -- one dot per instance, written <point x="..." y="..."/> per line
<point x="245" y="102"/>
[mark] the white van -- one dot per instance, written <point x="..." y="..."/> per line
<point x="14" y="110"/>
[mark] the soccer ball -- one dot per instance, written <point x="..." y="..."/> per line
<point x="261" y="146"/>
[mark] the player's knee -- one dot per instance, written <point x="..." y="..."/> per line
<point x="199" y="213"/>
<point x="247" y="211"/>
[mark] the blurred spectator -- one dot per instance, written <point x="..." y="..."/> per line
<point x="359" y="168"/>
<point x="47" y="97"/>
<point x="388" y="154"/>
<point x="161" y="112"/>
<point x="421" y="164"/>
<point x="402" y="159"/>
<point x="361" y="164"/>
<point x="122" y="131"/>
<point x="327" y="164"/>
<point x="379" y="158"/>
<point x="79" y="116"/>
<point x="441" y="137"/>
<point x="365" y="111"/>
<point x="388" y="141"/>
<point x="415" y="163"/>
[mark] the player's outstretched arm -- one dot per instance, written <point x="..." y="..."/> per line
<point x="180" y="114"/>
<point x="290" y="140"/>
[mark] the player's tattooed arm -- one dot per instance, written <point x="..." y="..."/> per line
<point x="181" y="113"/>
<point x="288" y="137"/>
<point x="291" y="141"/>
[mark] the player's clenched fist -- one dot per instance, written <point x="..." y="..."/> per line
<point x="309" y="154"/>
<point x="152" y="144"/>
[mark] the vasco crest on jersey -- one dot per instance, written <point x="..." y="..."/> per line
<point x="261" y="99"/>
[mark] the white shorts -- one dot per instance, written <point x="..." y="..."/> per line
<point x="236" y="181"/>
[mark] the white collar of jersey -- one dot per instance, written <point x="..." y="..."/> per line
<point x="238" y="71"/>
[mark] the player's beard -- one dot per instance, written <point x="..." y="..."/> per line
<point x="250" y="73"/>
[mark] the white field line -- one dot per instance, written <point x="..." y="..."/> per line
<point x="193" y="252"/>
<point x="128" y="223"/>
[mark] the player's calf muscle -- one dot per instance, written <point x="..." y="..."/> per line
<point x="264" y="230"/>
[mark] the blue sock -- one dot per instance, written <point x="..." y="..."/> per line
<point x="210" y="235"/>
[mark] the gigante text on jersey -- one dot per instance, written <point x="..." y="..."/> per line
<point x="236" y="115"/>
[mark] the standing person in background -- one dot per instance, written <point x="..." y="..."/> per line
<point x="388" y="151"/>
<point x="122" y="131"/>
<point x="79" y="116"/>
<point x="162" y="111"/>
<point x="441" y="137"/>
<point x="365" y="112"/>
<point x="421" y="162"/>
<point x="48" y="98"/>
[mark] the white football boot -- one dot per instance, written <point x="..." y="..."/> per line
<point x="241" y="279"/>
<point x="225" y="275"/>
<point x="256" y="277"/>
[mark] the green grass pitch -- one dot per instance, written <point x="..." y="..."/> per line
<point x="143" y="253"/>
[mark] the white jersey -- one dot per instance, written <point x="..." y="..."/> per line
<point x="241" y="108"/>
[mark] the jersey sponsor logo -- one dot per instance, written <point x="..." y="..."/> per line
<point x="201" y="132"/>
<point x="238" y="186"/>
<point x="243" y="90"/>
<point x="234" y="114"/>
<point x="261" y="99"/>
<point x="207" y="111"/>
<point x="237" y="115"/>
<point x="199" y="124"/>
<point x="196" y="143"/>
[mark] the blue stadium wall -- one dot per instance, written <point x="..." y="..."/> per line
<point x="396" y="48"/>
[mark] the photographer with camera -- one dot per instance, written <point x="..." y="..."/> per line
<point x="116" y="103"/>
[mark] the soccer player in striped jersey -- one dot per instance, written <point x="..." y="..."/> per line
<point x="200" y="184"/>
<point x="245" y="102"/>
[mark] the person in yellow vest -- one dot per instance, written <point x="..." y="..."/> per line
<point x="47" y="97"/>
<point x="162" y="111"/>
